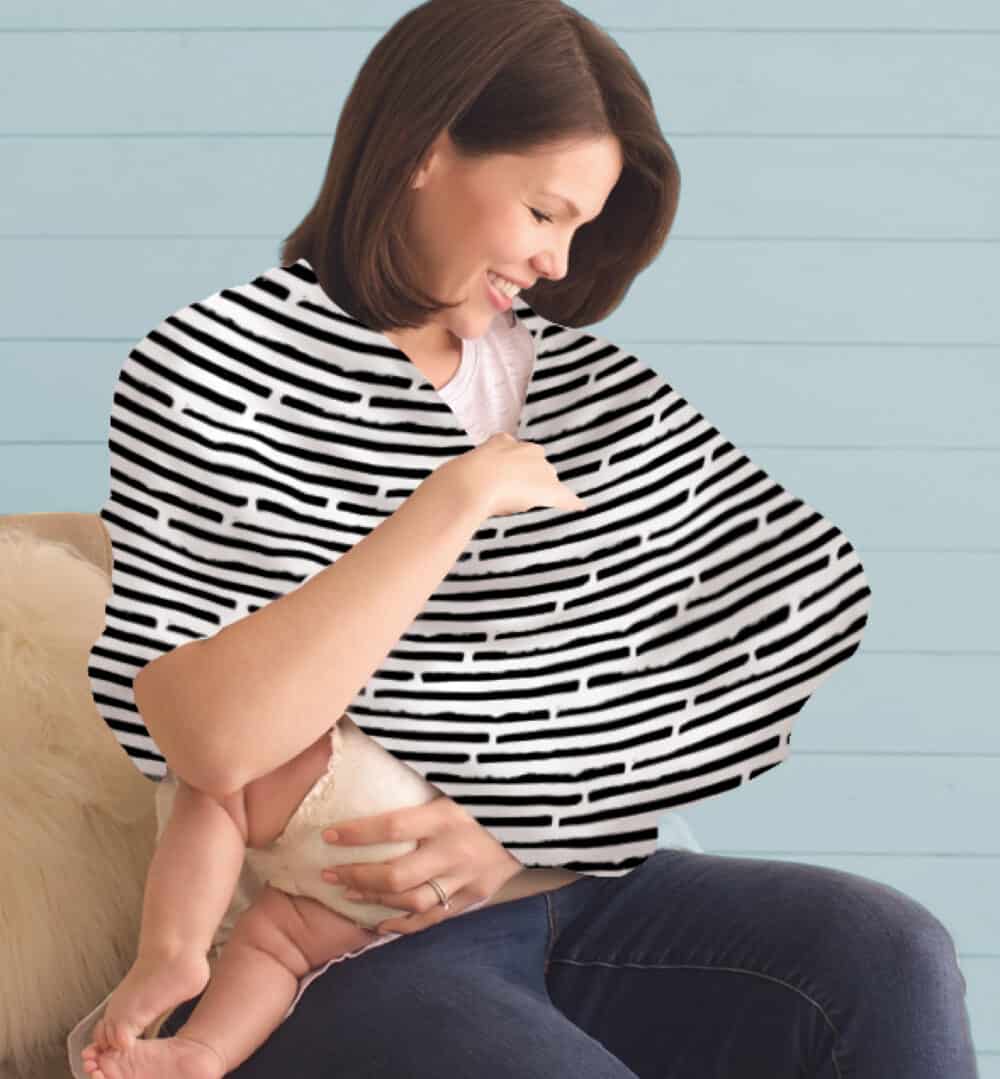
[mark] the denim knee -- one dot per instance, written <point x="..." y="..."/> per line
<point x="892" y="931"/>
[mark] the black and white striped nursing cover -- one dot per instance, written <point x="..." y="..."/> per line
<point x="577" y="674"/>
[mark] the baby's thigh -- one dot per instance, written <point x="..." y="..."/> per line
<point x="299" y="932"/>
<point x="271" y="800"/>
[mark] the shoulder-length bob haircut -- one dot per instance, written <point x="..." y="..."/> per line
<point x="508" y="77"/>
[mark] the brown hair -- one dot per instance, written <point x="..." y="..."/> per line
<point x="508" y="77"/>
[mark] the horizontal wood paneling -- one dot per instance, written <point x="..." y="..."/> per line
<point x="293" y="81"/>
<point x="729" y="15"/>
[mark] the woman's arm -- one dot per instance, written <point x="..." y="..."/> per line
<point x="271" y="683"/>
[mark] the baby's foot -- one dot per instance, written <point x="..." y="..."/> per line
<point x="154" y="985"/>
<point x="156" y="1058"/>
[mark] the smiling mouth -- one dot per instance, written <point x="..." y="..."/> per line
<point x="502" y="300"/>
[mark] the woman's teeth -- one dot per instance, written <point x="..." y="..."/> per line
<point x="501" y="284"/>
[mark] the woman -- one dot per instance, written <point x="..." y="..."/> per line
<point x="485" y="141"/>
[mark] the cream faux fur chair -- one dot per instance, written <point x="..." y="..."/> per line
<point x="79" y="819"/>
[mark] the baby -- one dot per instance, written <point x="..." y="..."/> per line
<point x="292" y="921"/>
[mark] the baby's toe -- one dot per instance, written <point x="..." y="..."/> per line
<point x="124" y="1036"/>
<point x="118" y="1035"/>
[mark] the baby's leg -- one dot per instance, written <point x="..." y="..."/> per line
<point x="271" y="801"/>
<point x="189" y="884"/>
<point x="274" y="944"/>
<point x="193" y="873"/>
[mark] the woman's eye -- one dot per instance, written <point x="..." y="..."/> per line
<point x="539" y="216"/>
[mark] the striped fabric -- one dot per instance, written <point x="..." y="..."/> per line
<point x="576" y="674"/>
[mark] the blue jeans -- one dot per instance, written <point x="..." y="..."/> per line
<point x="692" y="966"/>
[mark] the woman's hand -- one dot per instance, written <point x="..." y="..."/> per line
<point x="452" y="847"/>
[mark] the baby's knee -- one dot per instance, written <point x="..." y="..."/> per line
<point x="271" y="924"/>
<point x="190" y="800"/>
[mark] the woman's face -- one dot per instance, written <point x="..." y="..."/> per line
<point x="470" y="217"/>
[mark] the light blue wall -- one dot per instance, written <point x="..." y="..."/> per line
<point x="829" y="299"/>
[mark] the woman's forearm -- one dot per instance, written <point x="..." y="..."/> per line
<point x="228" y="710"/>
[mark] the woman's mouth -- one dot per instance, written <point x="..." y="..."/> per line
<point x="499" y="300"/>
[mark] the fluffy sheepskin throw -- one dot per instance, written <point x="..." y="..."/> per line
<point x="79" y="819"/>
